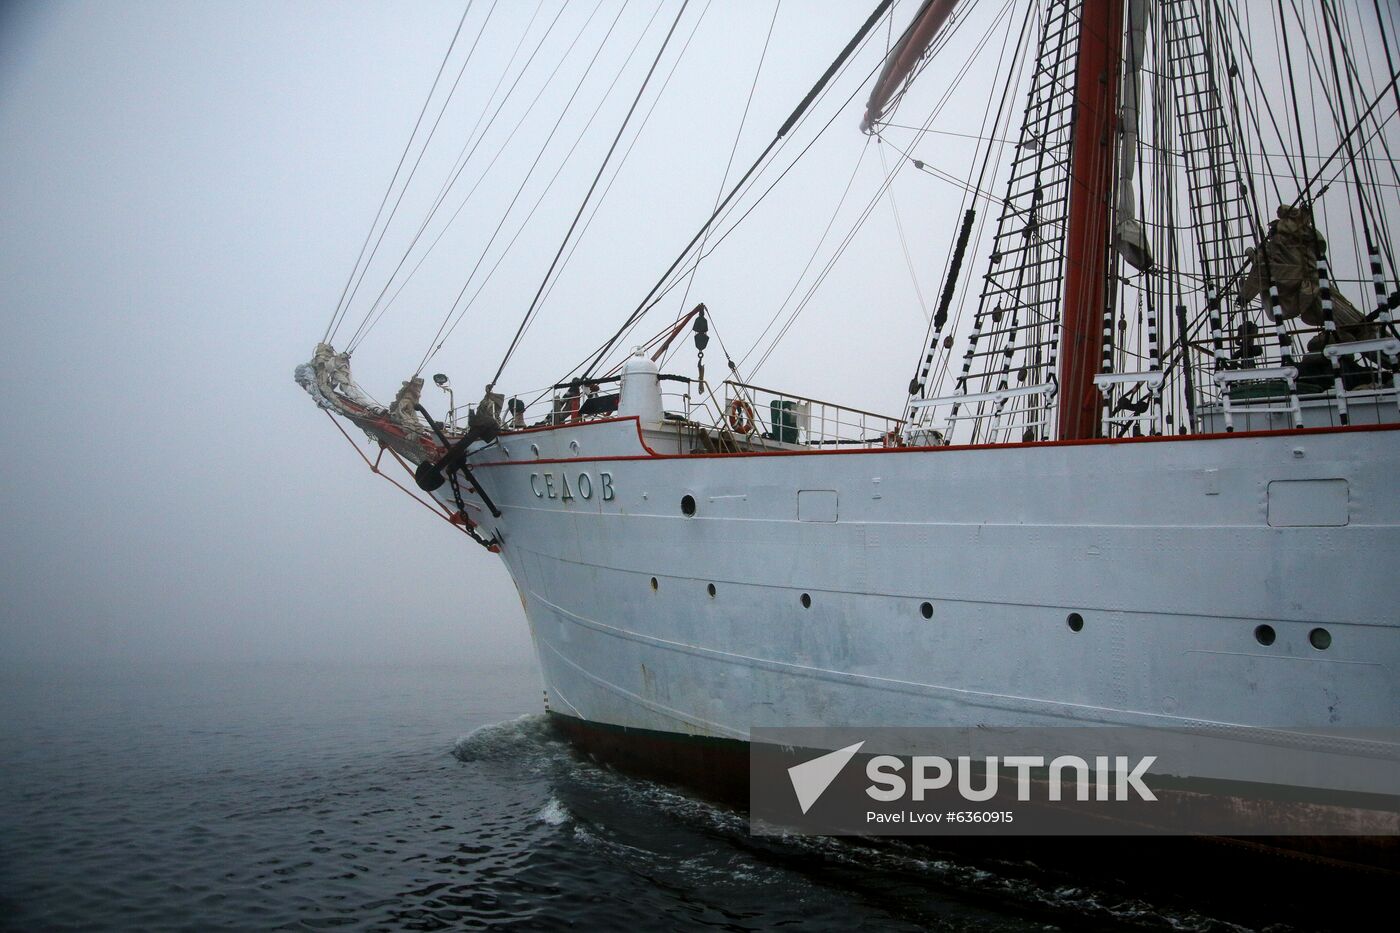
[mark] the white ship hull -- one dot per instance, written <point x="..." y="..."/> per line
<point x="1173" y="552"/>
<point x="698" y="560"/>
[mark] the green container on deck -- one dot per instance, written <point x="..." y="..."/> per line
<point x="783" y="417"/>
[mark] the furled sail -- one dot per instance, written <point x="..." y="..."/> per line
<point x="906" y="54"/>
<point x="1288" y="258"/>
<point x="327" y="379"/>
<point x="1130" y="237"/>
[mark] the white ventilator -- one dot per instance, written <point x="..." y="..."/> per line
<point x="641" y="390"/>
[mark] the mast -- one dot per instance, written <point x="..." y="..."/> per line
<point x="1087" y="236"/>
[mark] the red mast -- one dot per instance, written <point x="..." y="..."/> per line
<point x="1087" y="237"/>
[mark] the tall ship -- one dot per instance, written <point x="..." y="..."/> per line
<point x="1147" y="469"/>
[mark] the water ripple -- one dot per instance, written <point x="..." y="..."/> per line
<point x="305" y="804"/>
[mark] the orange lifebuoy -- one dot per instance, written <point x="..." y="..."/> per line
<point x="740" y="417"/>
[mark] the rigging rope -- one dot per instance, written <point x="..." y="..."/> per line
<point x="341" y="305"/>
<point x="1356" y="125"/>
<point x="534" y="304"/>
<point x="681" y="275"/>
<point x="473" y="141"/>
<point x="463" y="161"/>
<point x="836" y="212"/>
<point x="601" y="198"/>
<point x="529" y="173"/>
<point x="933" y="336"/>
<point x="904" y="243"/>
<point x="792" y="119"/>
<point x="883" y="191"/>
<point x="880" y="193"/>
<point x="738" y="133"/>
<point x="688" y="275"/>
<point x="409" y="180"/>
<point x="564" y="163"/>
<point x="460" y="164"/>
<point x="726" y="211"/>
<point x="1292" y="88"/>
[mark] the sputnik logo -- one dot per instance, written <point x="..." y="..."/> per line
<point x="811" y="778"/>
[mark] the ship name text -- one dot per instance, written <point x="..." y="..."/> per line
<point x="581" y="485"/>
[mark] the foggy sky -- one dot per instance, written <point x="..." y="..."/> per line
<point x="185" y="187"/>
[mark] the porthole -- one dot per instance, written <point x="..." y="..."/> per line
<point x="711" y="590"/>
<point x="1320" y="638"/>
<point x="688" y="505"/>
<point x="926" y="610"/>
<point x="1075" y="621"/>
<point x="806" y="601"/>
<point x="653" y="584"/>
<point x="535" y="449"/>
<point x="1264" y="634"/>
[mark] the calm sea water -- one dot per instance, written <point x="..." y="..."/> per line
<point x="304" y="797"/>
